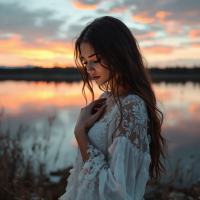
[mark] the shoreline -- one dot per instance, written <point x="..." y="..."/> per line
<point x="77" y="77"/>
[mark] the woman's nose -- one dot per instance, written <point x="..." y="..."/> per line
<point x="90" y="69"/>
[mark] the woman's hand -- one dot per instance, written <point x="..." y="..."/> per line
<point x="88" y="115"/>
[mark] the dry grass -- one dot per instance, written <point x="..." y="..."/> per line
<point x="25" y="178"/>
<point x="22" y="177"/>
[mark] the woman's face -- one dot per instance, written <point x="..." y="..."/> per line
<point x="91" y="62"/>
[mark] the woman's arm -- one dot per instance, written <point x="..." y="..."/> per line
<point x="83" y="142"/>
<point x="85" y="120"/>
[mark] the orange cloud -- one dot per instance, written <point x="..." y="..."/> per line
<point x="46" y="50"/>
<point x="194" y="34"/>
<point x="146" y="35"/>
<point x="195" y="45"/>
<point x="159" y="49"/>
<point x="118" y="10"/>
<point x="161" y="14"/>
<point x="143" y="18"/>
<point x="80" y="6"/>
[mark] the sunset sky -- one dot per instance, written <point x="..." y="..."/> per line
<point x="43" y="33"/>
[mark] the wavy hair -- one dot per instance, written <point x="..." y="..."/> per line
<point x="120" y="51"/>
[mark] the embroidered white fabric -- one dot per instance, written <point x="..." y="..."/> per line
<point x="118" y="167"/>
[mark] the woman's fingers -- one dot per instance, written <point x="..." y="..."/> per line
<point x="98" y="101"/>
<point x="99" y="112"/>
<point x="97" y="106"/>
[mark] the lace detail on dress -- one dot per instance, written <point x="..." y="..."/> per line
<point x="134" y="123"/>
<point x="89" y="176"/>
<point x="91" y="172"/>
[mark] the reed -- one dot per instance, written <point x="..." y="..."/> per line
<point x="22" y="176"/>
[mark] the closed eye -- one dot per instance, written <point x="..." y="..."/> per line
<point x="94" y="62"/>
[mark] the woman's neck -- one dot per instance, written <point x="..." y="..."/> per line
<point x="120" y="91"/>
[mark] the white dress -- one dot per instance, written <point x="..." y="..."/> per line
<point x="118" y="169"/>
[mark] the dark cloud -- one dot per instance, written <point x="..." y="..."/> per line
<point x="114" y="8"/>
<point x="85" y="18"/>
<point x="182" y="12"/>
<point x="74" y="31"/>
<point x="136" y="31"/>
<point x="30" y="25"/>
<point x="147" y="32"/>
<point x="102" y="11"/>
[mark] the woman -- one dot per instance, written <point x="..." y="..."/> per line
<point x="119" y="135"/>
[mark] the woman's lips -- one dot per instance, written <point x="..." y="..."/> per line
<point x="96" y="77"/>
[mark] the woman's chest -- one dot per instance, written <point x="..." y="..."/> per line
<point x="98" y="133"/>
<point x="98" y="136"/>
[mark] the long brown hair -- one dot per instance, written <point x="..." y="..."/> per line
<point x="117" y="46"/>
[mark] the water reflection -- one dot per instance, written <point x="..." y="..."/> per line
<point x="31" y="103"/>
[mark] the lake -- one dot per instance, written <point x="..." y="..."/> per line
<point x="50" y="111"/>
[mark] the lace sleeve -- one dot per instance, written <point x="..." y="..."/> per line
<point x="124" y="175"/>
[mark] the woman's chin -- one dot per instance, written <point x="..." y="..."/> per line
<point x="100" y="83"/>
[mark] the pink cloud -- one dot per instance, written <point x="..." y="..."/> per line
<point x="161" y="15"/>
<point x="160" y="49"/>
<point x="173" y="30"/>
<point x="146" y="35"/>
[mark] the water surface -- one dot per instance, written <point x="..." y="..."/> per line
<point x="35" y="104"/>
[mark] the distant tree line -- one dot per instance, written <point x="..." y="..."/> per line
<point x="39" y="70"/>
<point x="175" y="70"/>
<point x="74" y="71"/>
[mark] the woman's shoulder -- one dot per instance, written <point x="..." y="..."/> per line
<point x="128" y="99"/>
<point x="133" y="98"/>
<point x="133" y="101"/>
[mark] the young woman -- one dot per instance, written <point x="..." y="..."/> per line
<point x="119" y="135"/>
